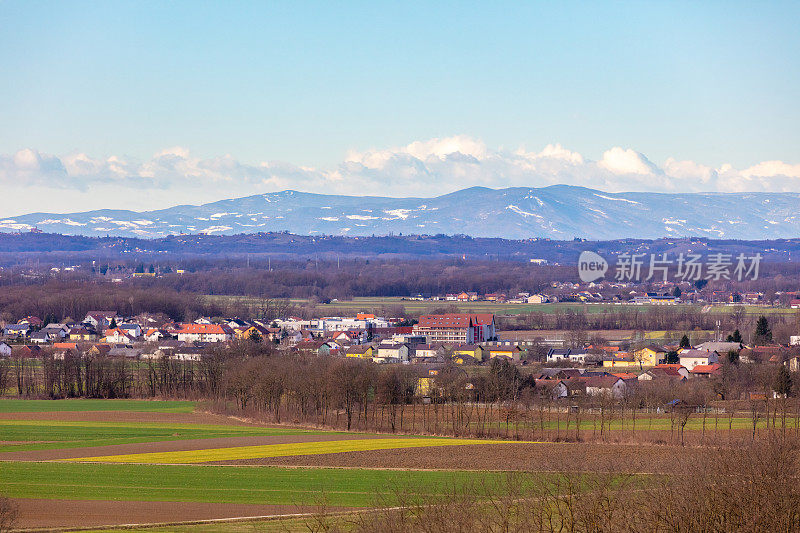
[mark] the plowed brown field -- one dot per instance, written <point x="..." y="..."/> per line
<point x="93" y="513"/>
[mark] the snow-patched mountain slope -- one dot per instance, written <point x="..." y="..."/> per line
<point x="558" y="212"/>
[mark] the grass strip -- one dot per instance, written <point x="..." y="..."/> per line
<point x="25" y="435"/>
<point x="8" y="405"/>
<point x="231" y="484"/>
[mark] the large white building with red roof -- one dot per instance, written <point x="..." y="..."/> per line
<point x="457" y="328"/>
<point x="205" y="333"/>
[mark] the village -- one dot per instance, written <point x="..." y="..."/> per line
<point x="428" y="345"/>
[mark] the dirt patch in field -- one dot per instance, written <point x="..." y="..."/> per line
<point x="34" y="513"/>
<point x="176" y="446"/>
<point x="517" y="456"/>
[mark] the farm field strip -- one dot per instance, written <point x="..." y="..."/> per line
<point x="8" y="405"/>
<point x="283" y="450"/>
<point x="25" y="435"/>
<point x="228" y="484"/>
<point x="695" y="423"/>
<point x="377" y="303"/>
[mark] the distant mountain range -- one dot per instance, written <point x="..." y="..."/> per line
<point x="558" y="212"/>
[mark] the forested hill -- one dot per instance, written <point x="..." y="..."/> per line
<point x="286" y="245"/>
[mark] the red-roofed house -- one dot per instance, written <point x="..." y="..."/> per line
<point x="707" y="371"/>
<point x="457" y="328"/>
<point x="665" y="371"/>
<point x="205" y="333"/>
<point x="117" y="336"/>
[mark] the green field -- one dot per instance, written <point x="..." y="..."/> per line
<point x="39" y="406"/>
<point x="231" y="484"/>
<point x="377" y="304"/>
<point x="23" y="435"/>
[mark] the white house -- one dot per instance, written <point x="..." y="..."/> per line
<point x="576" y="355"/>
<point x="205" y="333"/>
<point x="537" y="299"/>
<point x="153" y="335"/>
<point x="606" y="385"/>
<point x="132" y="329"/>
<point x="387" y="352"/>
<point x="692" y="358"/>
<point x="117" y="336"/>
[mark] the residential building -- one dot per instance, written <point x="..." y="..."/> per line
<point x="575" y="355"/>
<point x="364" y="351"/>
<point x="509" y="352"/>
<point x="611" y="386"/>
<point x="100" y="320"/>
<point x="650" y="355"/>
<point x="391" y="352"/>
<point x="117" y="336"/>
<point x="478" y="353"/>
<point x="457" y="328"/>
<point x="81" y="334"/>
<point x="425" y="351"/>
<point x="17" y="331"/>
<point x="692" y="358"/>
<point x="205" y="333"/>
<point x="707" y="371"/>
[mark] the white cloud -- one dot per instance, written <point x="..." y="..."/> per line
<point x="621" y="161"/>
<point x="77" y="181"/>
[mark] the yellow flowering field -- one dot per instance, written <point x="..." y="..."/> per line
<point x="282" y="450"/>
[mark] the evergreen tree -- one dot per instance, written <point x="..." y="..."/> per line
<point x="255" y="337"/>
<point x="763" y="333"/>
<point x="783" y="382"/>
<point x="733" y="357"/>
<point x="735" y="337"/>
<point x="673" y="358"/>
<point x="677" y="292"/>
<point x="685" y="342"/>
<point x="113" y="323"/>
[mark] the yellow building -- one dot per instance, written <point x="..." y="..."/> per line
<point x="247" y="333"/>
<point x="424" y="386"/>
<point x="467" y="352"/>
<point x="363" y="352"/>
<point x="650" y="355"/>
<point x="510" y="352"/>
<point x="620" y="360"/>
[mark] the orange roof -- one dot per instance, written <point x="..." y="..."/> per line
<point x="365" y="316"/>
<point x="208" y="329"/>
<point x="65" y="345"/>
<point x="118" y="331"/>
<point x="625" y="375"/>
<point x="706" y="369"/>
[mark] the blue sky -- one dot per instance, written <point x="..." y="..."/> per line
<point x="307" y="83"/>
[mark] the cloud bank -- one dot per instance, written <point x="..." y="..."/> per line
<point x="77" y="181"/>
